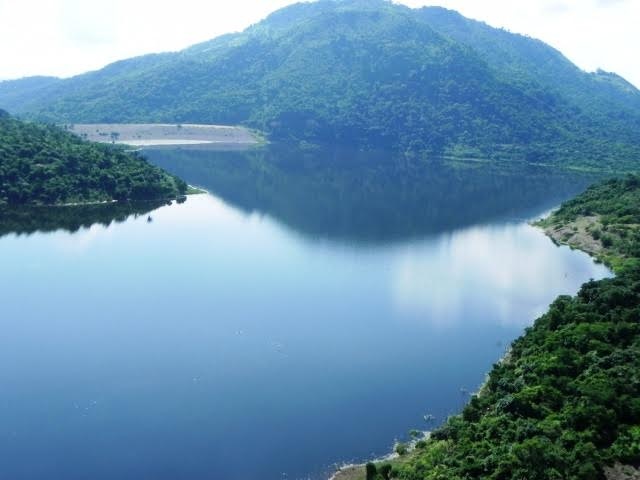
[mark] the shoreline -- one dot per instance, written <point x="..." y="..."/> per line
<point x="144" y="135"/>
<point x="191" y="192"/>
<point x="356" y="471"/>
<point x="584" y="233"/>
<point x="575" y="235"/>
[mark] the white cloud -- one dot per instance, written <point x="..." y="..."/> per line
<point x="83" y="24"/>
<point x="66" y="37"/>
<point x="467" y="273"/>
<point x="608" y="3"/>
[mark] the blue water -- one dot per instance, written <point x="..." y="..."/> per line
<point x="302" y="314"/>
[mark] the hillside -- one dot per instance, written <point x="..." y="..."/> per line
<point x="565" y="402"/>
<point x="44" y="165"/>
<point x="366" y="73"/>
<point x="525" y="60"/>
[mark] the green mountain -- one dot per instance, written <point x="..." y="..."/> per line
<point x="526" y="61"/>
<point x="45" y="165"/>
<point x="366" y="73"/>
<point x="16" y="93"/>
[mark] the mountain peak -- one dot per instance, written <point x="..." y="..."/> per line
<point x="297" y="12"/>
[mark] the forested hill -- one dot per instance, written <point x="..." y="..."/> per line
<point x="366" y="73"/>
<point x="44" y="165"/>
<point x="602" y="98"/>
<point x="565" y="402"/>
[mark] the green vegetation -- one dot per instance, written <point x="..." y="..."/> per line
<point x="381" y="472"/>
<point x="401" y="449"/>
<point x="521" y="60"/>
<point x="44" y="165"/>
<point x="370" y="74"/>
<point x="605" y="221"/>
<point x="565" y="402"/>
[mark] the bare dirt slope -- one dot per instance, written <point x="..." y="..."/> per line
<point x="165" y="134"/>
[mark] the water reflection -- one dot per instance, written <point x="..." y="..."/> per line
<point x="508" y="270"/>
<point x="370" y="197"/>
<point x="23" y="220"/>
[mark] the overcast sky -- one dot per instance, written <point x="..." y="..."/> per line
<point x="67" y="37"/>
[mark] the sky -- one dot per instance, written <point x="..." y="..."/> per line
<point x="68" y="37"/>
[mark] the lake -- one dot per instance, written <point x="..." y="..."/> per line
<point x="310" y="310"/>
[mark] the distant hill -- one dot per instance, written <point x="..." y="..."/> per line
<point x="44" y="165"/>
<point x="16" y="93"/>
<point x="366" y="73"/>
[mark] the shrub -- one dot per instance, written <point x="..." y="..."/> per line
<point x="401" y="449"/>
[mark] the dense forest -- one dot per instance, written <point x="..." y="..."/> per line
<point x="565" y="402"/>
<point x="371" y="74"/>
<point x="45" y="165"/>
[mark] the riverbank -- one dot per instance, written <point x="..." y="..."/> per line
<point x="576" y="234"/>
<point x="565" y="404"/>
<point x="604" y="222"/>
<point x="402" y="453"/>
<point x="162" y="135"/>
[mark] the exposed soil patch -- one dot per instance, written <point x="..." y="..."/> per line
<point x="578" y="234"/>
<point x="622" y="472"/>
<point x="164" y="134"/>
<point x="356" y="472"/>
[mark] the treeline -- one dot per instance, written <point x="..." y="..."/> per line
<point x="44" y="165"/>
<point x="565" y="402"/>
<point x="616" y="201"/>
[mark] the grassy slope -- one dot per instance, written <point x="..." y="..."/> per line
<point x="565" y="404"/>
<point x="44" y="165"/>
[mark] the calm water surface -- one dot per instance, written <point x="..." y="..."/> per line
<point x="309" y="311"/>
